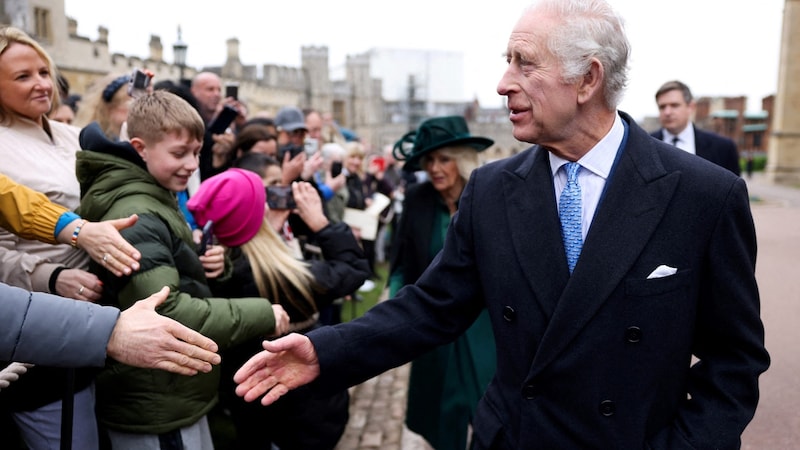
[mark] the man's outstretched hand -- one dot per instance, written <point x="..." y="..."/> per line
<point x="285" y="364"/>
<point x="144" y="338"/>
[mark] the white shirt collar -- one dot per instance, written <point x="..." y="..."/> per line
<point x="601" y="157"/>
<point x="685" y="138"/>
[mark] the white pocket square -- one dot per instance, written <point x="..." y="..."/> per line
<point x="662" y="271"/>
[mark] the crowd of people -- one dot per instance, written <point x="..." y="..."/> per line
<point x="553" y="299"/>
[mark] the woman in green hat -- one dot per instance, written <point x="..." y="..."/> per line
<point x="446" y="383"/>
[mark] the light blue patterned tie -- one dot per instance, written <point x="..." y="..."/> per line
<point x="569" y="211"/>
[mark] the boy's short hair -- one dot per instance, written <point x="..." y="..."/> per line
<point x="153" y="115"/>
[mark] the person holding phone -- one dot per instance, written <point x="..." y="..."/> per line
<point x="106" y="102"/>
<point x="265" y="266"/>
<point x="219" y="114"/>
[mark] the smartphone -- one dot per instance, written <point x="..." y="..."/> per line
<point x="232" y="91"/>
<point x="336" y="168"/>
<point x="223" y="120"/>
<point x="310" y="146"/>
<point x="139" y="82"/>
<point x="207" y="239"/>
<point x="280" y="197"/>
<point x="293" y="150"/>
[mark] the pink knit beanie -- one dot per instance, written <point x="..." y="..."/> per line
<point x="234" y="200"/>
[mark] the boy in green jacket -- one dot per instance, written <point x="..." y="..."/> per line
<point x="144" y="408"/>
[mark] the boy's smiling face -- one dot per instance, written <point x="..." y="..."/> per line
<point x="172" y="160"/>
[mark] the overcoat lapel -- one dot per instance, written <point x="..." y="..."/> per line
<point x="637" y="195"/>
<point x="535" y="228"/>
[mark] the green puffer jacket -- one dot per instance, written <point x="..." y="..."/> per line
<point x="153" y="401"/>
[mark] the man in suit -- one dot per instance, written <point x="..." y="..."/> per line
<point x="675" y="110"/>
<point x="595" y="355"/>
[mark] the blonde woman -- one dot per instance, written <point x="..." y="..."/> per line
<point x="106" y="103"/>
<point x="265" y="266"/>
<point x="447" y="382"/>
<point x="40" y="154"/>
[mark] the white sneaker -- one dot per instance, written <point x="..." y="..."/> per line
<point x="367" y="286"/>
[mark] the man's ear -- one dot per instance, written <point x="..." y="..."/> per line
<point x="140" y="147"/>
<point x="591" y="83"/>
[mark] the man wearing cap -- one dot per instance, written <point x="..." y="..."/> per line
<point x="291" y="127"/>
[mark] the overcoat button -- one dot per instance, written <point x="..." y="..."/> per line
<point x="509" y="314"/>
<point x="529" y="391"/>
<point x="633" y="334"/>
<point x="607" y="408"/>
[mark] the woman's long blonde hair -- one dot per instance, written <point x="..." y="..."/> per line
<point x="95" y="108"/>
<point x="277" y="273"/>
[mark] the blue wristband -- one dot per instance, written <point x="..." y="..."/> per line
<point x="65" y="220"/>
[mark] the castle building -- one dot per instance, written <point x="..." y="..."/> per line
<point x="383" y="93"/>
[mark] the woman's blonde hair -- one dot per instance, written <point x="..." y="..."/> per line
<point x="277" y="273"/>
<point x="466" y="159"/>
<point x="96" y="105"/>
<point x="12" y="35"/>
<point x="356" y="149"/>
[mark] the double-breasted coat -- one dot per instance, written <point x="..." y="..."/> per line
<point x="602" y="358"/>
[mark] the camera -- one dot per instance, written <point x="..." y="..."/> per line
<point x="139" y="82"/>
<point x="280" y="197"/>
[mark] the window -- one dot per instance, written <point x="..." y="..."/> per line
<point x="41" y="23"/>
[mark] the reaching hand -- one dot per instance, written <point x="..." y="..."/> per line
<point x="285" y="364"/>
<point x="213" y="261"/>
<point x="104" y="244"/>
<point x="309" y="205"/>
<point x="281" y="320"/>
<point x="291" y="168"/>
<point x="144" y="338"/>
<point x="80" y="285"/>
<point x="12" y="373"/>
<point x="311" y="166"/>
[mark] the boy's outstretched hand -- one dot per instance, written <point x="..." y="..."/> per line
<point x="285" y="364"/>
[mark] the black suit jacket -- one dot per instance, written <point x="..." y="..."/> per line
<point x="713" y="147"/>
<point x="599" y="359"/>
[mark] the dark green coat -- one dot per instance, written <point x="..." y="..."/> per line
<point x="446" y="383"/>
<point x="143" y="400"/>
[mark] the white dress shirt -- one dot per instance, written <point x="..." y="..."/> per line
<point x="595" y="167"/>
<point x="685" y="139"/>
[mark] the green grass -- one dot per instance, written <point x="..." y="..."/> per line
<point x="352" y="310"/>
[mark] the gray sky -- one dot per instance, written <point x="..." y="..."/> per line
<point x="717" y="47"/>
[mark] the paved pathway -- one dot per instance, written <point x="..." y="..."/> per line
<point x="378" y="405"/>
<point x="776" y="425"/>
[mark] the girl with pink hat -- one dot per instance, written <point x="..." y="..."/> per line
<point x="265" y="266"/>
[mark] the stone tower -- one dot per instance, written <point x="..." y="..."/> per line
<point x="319" y="90"/>
<point x="783" y="160"/>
